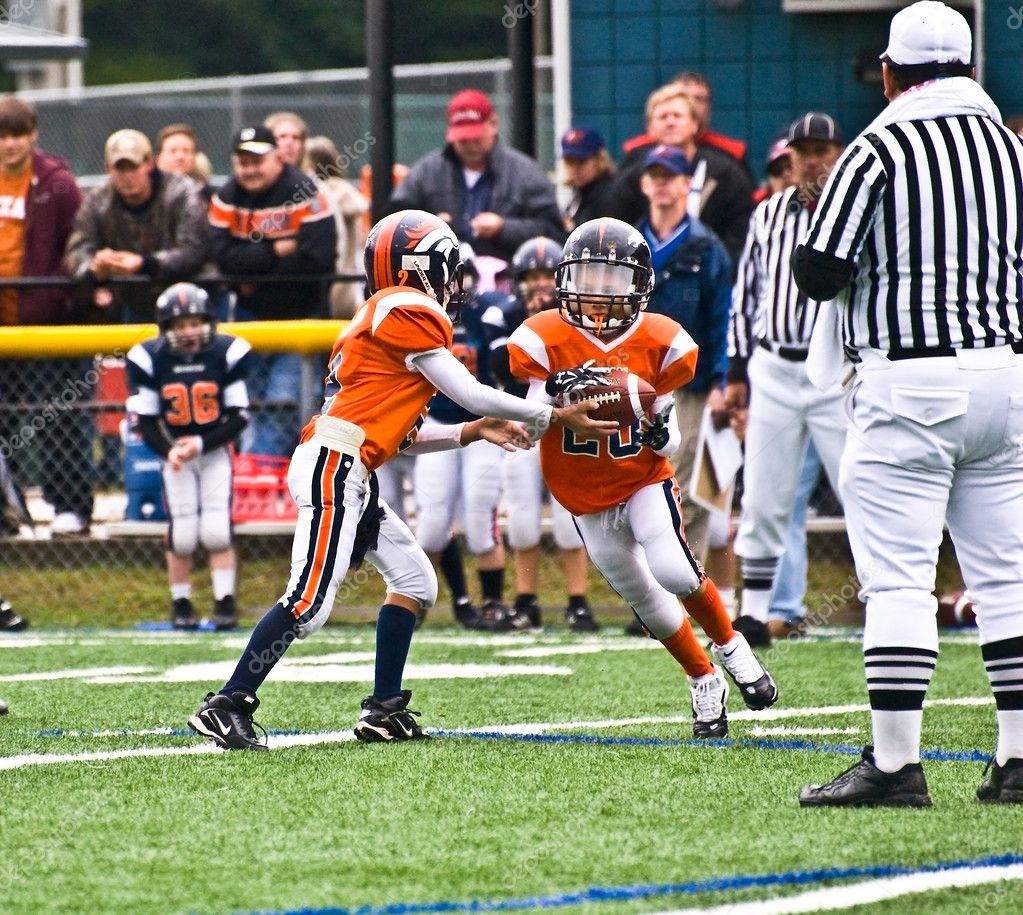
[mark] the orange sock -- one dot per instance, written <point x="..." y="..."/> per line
<point x="707" y="608"/>
<point x="684" y="648"/>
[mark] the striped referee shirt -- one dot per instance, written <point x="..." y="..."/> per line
<point x="927" y="216"/>
<point x="766" y="303"/>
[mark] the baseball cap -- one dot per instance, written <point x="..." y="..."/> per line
<point x="928" y="32"/>
<point x="468" y="113"/>
<point x="815" y="125"/>
<point x="581" y="142"/>
<point x="258" y="140"/>
<point x="127" y="145"/>
<point x="779" y="149"/>
<point x="670" y="157"/>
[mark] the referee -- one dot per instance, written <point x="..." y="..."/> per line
<point x="771" y="322"/>
<point x="920" y="228"/>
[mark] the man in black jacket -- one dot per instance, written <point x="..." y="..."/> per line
<point x="271" y="219"/>
<point x="492" y="197"/>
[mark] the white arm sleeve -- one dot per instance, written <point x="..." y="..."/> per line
<point x="436" y="437"/>
<point x="447" y="374"/>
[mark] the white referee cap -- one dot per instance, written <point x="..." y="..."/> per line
<point x="928" y="32"/>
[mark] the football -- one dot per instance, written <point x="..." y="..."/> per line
<point x="955" y="609"/>
<point x="625" y="400"/>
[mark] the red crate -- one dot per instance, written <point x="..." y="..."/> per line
<point x="261" y="489"/>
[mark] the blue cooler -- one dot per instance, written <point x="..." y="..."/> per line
<point x="142" y="481"/>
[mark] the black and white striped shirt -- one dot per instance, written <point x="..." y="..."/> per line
<point x="929" y="213"/>
<point x="766" y="303"/>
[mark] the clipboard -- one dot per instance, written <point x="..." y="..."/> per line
<point x="718" y="459"/>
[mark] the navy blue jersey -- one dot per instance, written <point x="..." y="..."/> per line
<point x="189" y="394"/>
<point x="470" y="346"/>
<point x="502" y="314"/>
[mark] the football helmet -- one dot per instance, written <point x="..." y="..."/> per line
<point x="417" y="250"/>
<point x="184" y="300"/>
<point x="606" y="262"/>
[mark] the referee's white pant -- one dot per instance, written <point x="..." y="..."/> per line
<point x="785" y="412"/>
<point x="331" y="488"/>
<point x="932" y="439"/>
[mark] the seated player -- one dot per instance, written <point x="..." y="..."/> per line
<point x="621" y="490"/>
<point x="386" y="365"/>
<point x="188" y="391"/>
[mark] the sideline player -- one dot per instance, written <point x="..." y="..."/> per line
<point x="188" y="391"/>
<point x="386" y="365"/>
<point x="533" y="267"/>
<point x="622" y="491"/>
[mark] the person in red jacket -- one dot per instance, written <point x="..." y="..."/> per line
<point x="38" y="202"/>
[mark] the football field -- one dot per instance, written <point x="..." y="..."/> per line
<point x="561" y="775"/>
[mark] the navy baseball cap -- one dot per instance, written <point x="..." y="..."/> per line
<point x="258" y="140"/>
<point x="815" y="125"/>
<point x="670" y="157"/>
<point x="581" y="142"/>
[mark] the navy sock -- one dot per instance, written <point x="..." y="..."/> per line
<point x="523" y="600"/>
<point x="453" y="571"/>
<point x="267" y="644"/>
<point x="492" y="584"/>
<point x="394" y="635"/>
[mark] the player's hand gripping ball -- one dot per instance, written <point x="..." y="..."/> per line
<point x="621" y="397"/>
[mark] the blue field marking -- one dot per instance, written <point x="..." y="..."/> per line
<point x="749" y="743"/>
<point x="647" y="891"/>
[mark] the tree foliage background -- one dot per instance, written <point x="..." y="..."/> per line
<point x="131" y="40"/>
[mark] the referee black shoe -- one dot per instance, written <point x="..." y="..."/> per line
<point x="756" y="632"/>
<point x="390" y="719"/>
<point x="864" y="785"/>
<point x="227" y="721"/>
<point x="1004" y="785"/>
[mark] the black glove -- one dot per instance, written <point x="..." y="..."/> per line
<point x="567" y="380"/>
<point x="653" y="432"/>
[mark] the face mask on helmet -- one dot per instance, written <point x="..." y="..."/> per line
<point x="600" y="297"/>
<point x="185" y="300"/>
<point x="189" y="334"/>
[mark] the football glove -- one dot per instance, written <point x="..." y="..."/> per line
<point x="567" y="380"/>
<point x="653" y="431"/>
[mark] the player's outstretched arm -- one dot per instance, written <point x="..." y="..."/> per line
<point x="509" y="435"/>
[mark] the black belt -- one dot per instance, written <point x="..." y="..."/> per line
<point x="932" y="352"/>
<point x="791" y="353"/>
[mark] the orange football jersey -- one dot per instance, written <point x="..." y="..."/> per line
<point x="588" y="475"/>
<point x="369" y="382"/>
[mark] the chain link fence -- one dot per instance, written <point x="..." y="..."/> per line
<point x="332" y="102"/>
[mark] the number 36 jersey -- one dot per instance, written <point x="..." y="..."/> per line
<point x="589" y="475"/>
<point x="189" y="393"/>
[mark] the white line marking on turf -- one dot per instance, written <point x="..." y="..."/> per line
<point x="758" y="731"/>
<point x="285" y="740"/>
<point x="36" y="759"/>
<point x="864" y="893"/>
<point x="79" y="673"/>
<point x="541" y="651"/>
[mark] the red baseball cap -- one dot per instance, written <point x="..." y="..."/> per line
<point x="468" y="113"/>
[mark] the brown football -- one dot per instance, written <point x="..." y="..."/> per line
<point x="955" y="609"/>
<point x="624" y="401"/>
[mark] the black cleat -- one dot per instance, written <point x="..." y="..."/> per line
<point x="580" y="619"/>
<point x="9" y="620"/>
<point x="635" y="627"/>
<point x="465" y="613"/>
<point x="183" y="614"/>
<point x="533" y="612"/>
<point x="225" y="614"/>
<point x="756" y="685"/>
<point x="227" y="721"/>
<point x="1004" y="785"/>
<point x="710" y="695"/>
<point x="756" y="632"/>
<point x="864" y="785"/>
<point x="497" y="617"/>
<point x="388" y="720"/>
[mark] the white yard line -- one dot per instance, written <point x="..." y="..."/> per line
<point x="866" y="892"/>
<point x="78" y="673"/>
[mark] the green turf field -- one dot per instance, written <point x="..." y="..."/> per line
<point x="561" y="777"/>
